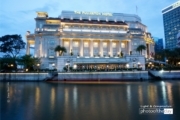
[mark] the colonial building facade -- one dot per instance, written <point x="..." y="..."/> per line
<point x="93" y="40"/>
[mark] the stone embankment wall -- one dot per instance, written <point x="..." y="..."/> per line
<point x="164" y="75"/>
<point x="128" y="75"/>
<point x="119" y="76"/>
<point x="23" y="76"/>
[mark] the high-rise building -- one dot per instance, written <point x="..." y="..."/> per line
<point x="178" y="40"/>
<point x="158" y="44"/>
<point x="171" y="18"/>
<point x="93" y="40"/>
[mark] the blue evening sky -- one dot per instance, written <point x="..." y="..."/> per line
<point x="17" y="16"/>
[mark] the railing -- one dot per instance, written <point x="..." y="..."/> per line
<point x="95" y="31"/>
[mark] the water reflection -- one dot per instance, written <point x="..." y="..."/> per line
<point x="52" y="98"/>
<point x="37" y="97"/>
<point x="8" y="96"/>
<point x="79" y="102"/>
<point x="164" y="92"/>
<point x="128" y="91"/>
<point x="140" y="93"/>
<point x="75" y="95"/>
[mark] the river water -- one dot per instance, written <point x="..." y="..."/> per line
<point x="97" y="101"/>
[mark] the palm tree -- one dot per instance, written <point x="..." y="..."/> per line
<point x="28" y="61"/>
<point x="60" y="49"/>
<point x="140" y="48"/>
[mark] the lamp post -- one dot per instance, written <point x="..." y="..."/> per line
<point x="67" y="64"/>
<point x="38" y="67"/>
<point x="53" y="65"/>
<point x="139" y="64"/>
<point x="127" y="66"/>
<point x="75" y="67"/>
<point x="178" y="63"/>
<point x="167" y="61"/>
<point x="11" y="67"/>
<point x="107" y="67"/>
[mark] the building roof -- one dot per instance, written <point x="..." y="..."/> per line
<point x="93" y="21"/>
<point x="99" y="16"/>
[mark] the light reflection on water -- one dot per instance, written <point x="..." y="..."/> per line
<point x="33" y="100"/>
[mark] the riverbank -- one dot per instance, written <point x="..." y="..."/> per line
<point x="23" y="76"/>
<point x="92" y="76"/>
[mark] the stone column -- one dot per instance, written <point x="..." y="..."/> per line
<point x="61" y="42"/>
<point x="110" y="48"/>
<point x="40" y="44"/>
<point x="101" y="48"/>
<point x="119" y="47"/>
<point x="81" y="48"/>
<point x="129" y="43"/>
<point x="148" y="53"/>
<point x="28" y="48"/>
<point x="91" y="48"/>
<point x="70" y="46"/>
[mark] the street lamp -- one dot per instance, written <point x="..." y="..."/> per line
<point x="166" y="61"/>
<point x="67" y="64"/>
<point x="53" y="65"/>
<point x="107" y="67"/>
<point x="38" y="67"/>
<point x="139" y="64"/>
<point x="127" y="65"/>
<point x="75" y="66"/>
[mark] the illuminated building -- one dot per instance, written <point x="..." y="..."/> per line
<point x="97" y="40"/>
<point x="178" y="40"/>
<point x="171" y="18"/>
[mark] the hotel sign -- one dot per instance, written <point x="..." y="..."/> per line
<point x="175" y="5"/>
<point x="42" y="14"/>
<point x="92" y="13"/>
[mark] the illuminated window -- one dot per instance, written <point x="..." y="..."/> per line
<point x="105" y="44"/>
<point x="51" y="42"/>
<point x="66" y="26"/>
<point x="135" y="43"/>
<point x="66" y="43"/>
<point x="86" y="44"/>
<point x="113" y="45"/>
<point x="122" y="45"/>
<point x="95" y="44"/>
<point x="51" y="52"/>
<point x="75" y="44"/>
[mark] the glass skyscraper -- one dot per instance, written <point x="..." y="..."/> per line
<point x="171" y="18"/>
<point x="158" y="44"/>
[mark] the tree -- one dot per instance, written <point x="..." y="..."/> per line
<point x="140" y="48"/>
<point x="11" y="45"/>
<point x="7" y="63"/>
<point x="28" y="61"/>
<point x="60" y="49"/>
<point x="172" y="56"/>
